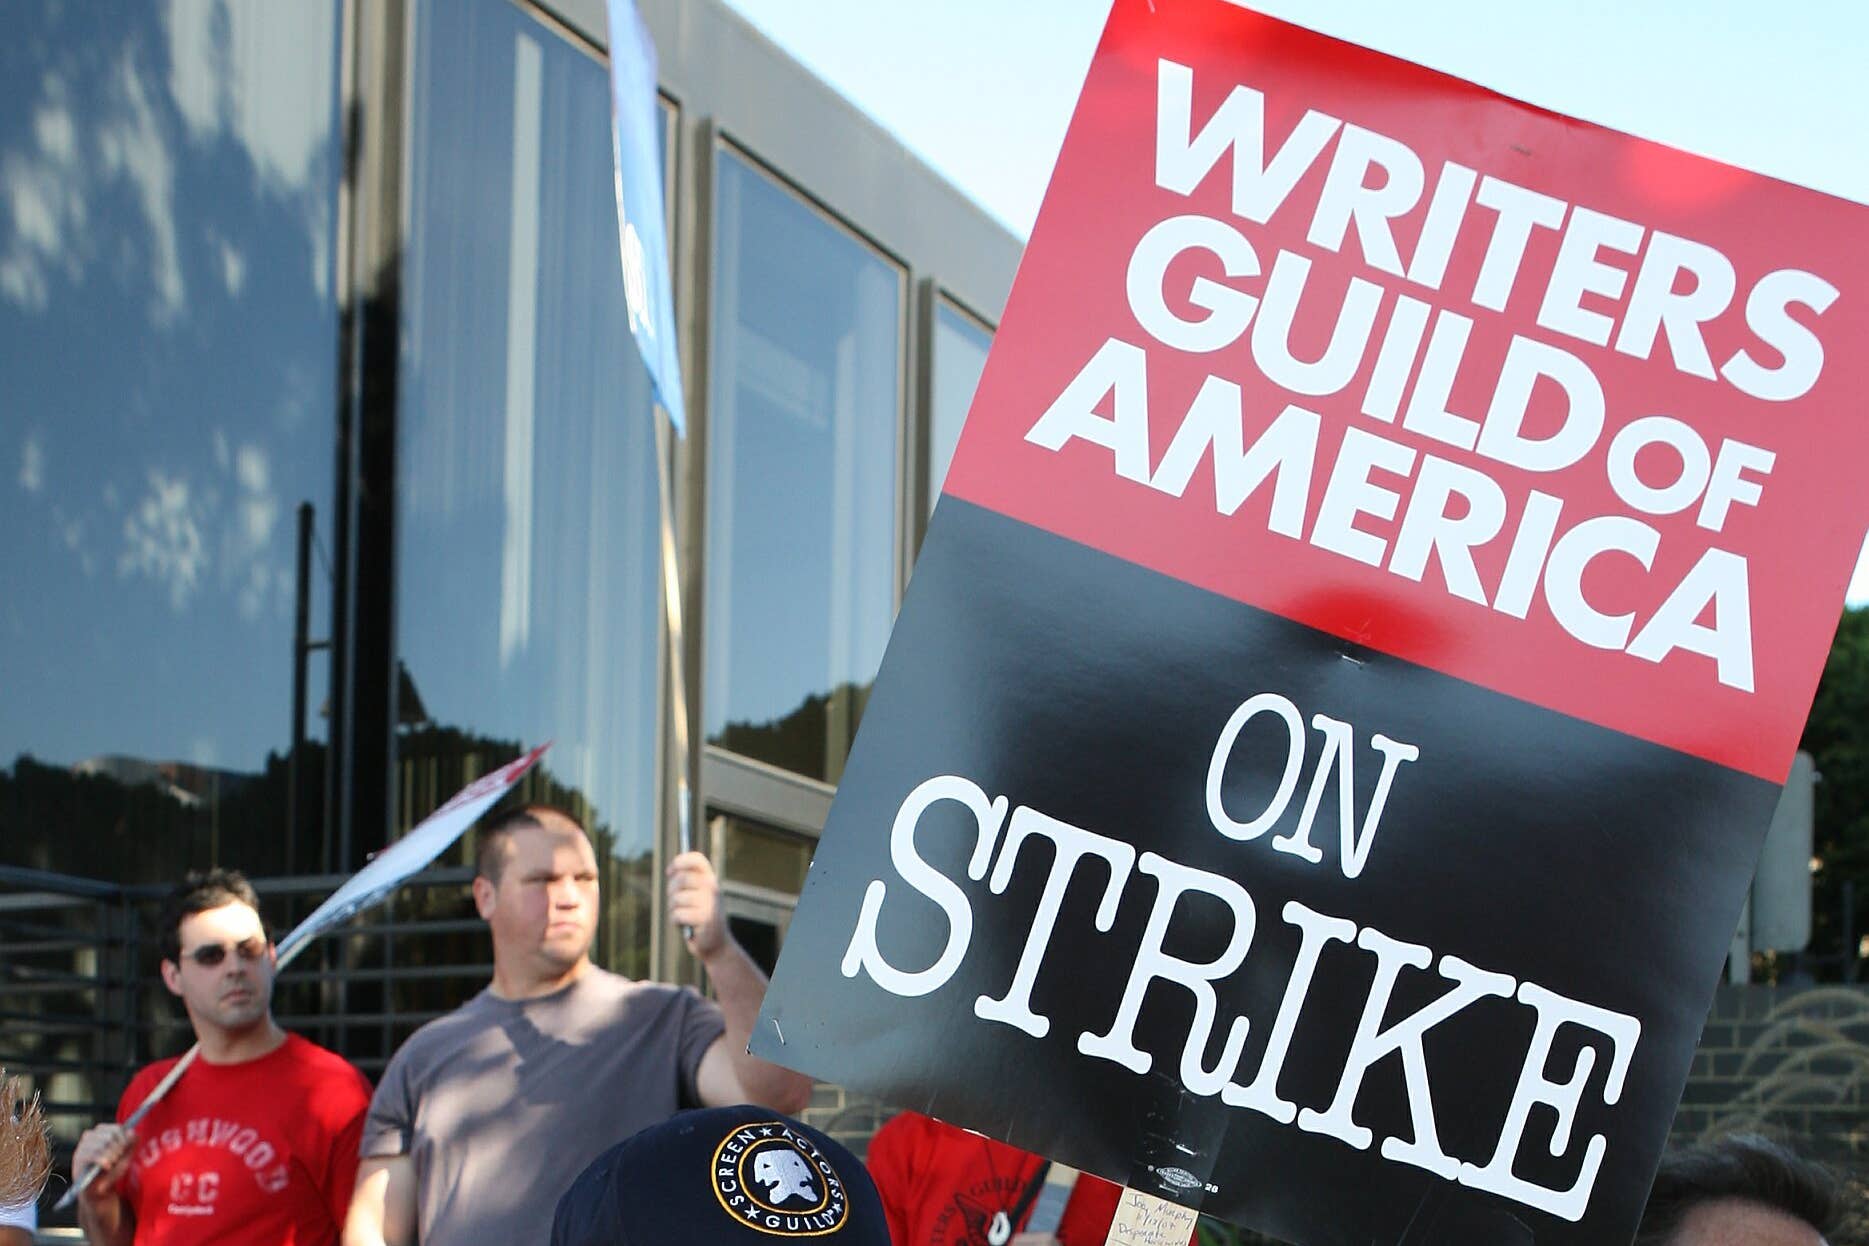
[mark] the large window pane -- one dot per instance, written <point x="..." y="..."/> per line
<point x="762" y="871"/>
<point x="167" y="339"/>
<point x="960" y="346"/>
<point x="801" y="474"/>
<point x="763" y="856"/>
<point x="527" y="602"/>
<point x="168" y="181"/>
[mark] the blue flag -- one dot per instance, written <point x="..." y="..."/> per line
<point x="642" y="231"/>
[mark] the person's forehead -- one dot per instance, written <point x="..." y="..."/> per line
<point x="551" y="843"/>
<point x="1739" y="1222"/>
<point x="231" y="922"/>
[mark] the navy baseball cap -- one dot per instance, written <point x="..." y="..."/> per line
<point x="740" y="1176"/>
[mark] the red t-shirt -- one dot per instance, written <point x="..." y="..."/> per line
<point x="942" y="1186"/>
<point x="263" y="1152"/>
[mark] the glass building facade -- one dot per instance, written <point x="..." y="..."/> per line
<point x="797" y="398"/>
<point x="331" y="481"/>
<point x="168" y="330"/>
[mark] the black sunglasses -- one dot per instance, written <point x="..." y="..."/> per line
<point x="208" y="955"/>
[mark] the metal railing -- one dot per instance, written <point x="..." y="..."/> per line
<point x="82" y="1006"/>
<point x="70" y="991"/>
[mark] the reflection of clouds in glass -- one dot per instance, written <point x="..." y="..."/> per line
<point x="259" y="584"/>
<point x="47" y="185"/>
<point x="233" y="268"/>
<point x="237" y="72"/>
<point x="71" y="533"/>
<point x="162" y="538"/>
<point x="242" y="70"/>
<point x="250" y="469"/>
<point x="32" y="464"/>
<point x="303" y="395"/>
<point x="246" y="70"/>
<point x="41" y="188"/>
<point x="250" y="535"/>
<point x="167" y="533"/>
<point x="68" y="530"/>
<point x="56" y="133"/>
<point x="132" y="143"/>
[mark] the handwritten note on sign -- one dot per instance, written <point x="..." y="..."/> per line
<point x="1144" y="1220"/>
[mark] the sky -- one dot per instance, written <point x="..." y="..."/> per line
<point x="982" y="90"/>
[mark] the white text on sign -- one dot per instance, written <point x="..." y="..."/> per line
<point x="1433" y="475"/>
<point x="999" y="834"/>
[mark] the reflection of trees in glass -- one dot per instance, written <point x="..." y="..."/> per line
<point x="434" y="762"/>
<point x="83" y="1000"/>
<point x="813" y="739"/>
<point x="134" y="821"/>
<point x="1837" y="738"/>
<point x="167" y="190"/>
<point x="80" y="1004"/>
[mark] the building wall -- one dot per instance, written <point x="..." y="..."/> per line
<point x="1786" y="1060"/>
<point x="365" y="260"/>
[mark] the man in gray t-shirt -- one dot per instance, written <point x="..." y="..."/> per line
<point x="485" y="1116"/>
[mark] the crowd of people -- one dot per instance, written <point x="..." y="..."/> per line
<point x="565" y="1102"/>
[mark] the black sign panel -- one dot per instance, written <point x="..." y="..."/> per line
<point x="1511" y="882"/>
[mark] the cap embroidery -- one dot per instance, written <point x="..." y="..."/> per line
<point x="774" y="1179"/>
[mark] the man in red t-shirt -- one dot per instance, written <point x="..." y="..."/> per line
<point x="943" y="1186"/>
<point x="257" y="1143"/>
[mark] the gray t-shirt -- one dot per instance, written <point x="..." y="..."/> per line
<point x="502" y="1103"/>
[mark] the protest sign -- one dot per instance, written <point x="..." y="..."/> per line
<point x="642" y="231"/>
<point x="648" y="290"/>
<point x="427" y="840"/>
<point x="1337" y="708"/>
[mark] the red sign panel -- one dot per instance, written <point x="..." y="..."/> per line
<point x="1559" y="411"/>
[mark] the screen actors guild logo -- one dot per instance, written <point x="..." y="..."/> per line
<point x="773" y="1178"/>
<point x="785" y="1174"/>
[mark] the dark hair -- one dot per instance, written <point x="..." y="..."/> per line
<point x="490" y="839"/>
<point x="197" y="893"/>
<point x="1747" y="1167"/>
